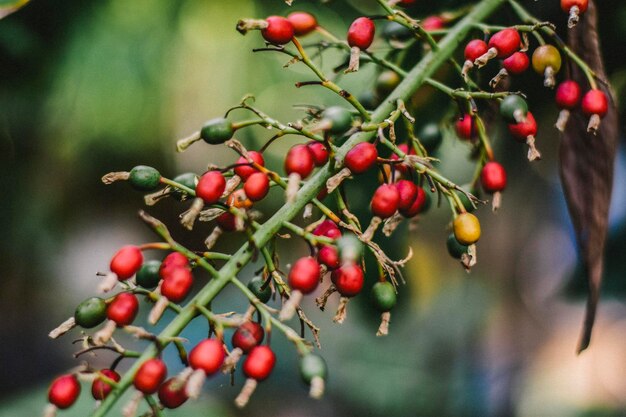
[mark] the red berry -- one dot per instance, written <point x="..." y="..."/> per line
<point x="408" y="194"/>
<point x="176" y="284"/>
<point x="299" y="160"/>
<point x="506" y="42"/>
<point x="279" y="30"/>
<point x="568" y="95"/>
<point x="226" y="221"/>
<point x="304" y="275"/>
<point x="126" y="262"/>
<point x="433" y="23"/>
<point x="244" y="171"/>
<point x="521" y="131"/>
<point x="582" y="5"/>
<point x="595" y="102"/>
<point x="319" y="152"/>
<point x="385" y="201"/>
<point x="259" y="363"/>
<point x="256" y="186"/>
<point x="208" y="356"/>
<point x="173" y="260"/>
<point x="150" y="376"/>
<point x="403" y="168"/>
<point x="210" y="187"/>
<point x="64" y="391"/>
<point x="475" y="49"/>
<point x="247" y="336"/>
<point x="466" y="127"/>
<point x="123" y="309"/>
<point x="99" y="388"/>
<point x="348" y="280"/>
<point x="361" y="33"/>
<point x="516" y="63"/>
<point x="172" y="393"/>
<point x="329" y="256"/>
<point x="417" y="206"/>
<point x="303" y="23"/>
<point x="407" y="2"/>
<point x="361" y="158"/>
<point x="327" y="228"/>
<point x="493" y="177"/>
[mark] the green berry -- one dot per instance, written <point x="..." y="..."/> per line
<point x="386" y="82"/>
<point x="148" y="275"/>
<point x="90" y="312"/>
<point x="384" y="296"/>
<point x="255" y="285"/>
<point x="189" y="180"/>
<point x="339" y="119"/>
<point x="369" y="100"/>
<point x="430" y="136"/>
<point x="465" y="200"/>
<point x="396" y="31"/>
<point x="312" y="366"/>
<point x="512" y="108"/>
<point x="144" y="178"/>
<point x="350" y="248"/>
<point x="455" y="249"/>
<point x="217" y="131"/>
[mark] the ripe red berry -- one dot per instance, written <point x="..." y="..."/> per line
<point x="506" y="42"/>
<point x="126" y="262"/>
<point x="304" y="275"/>
<point x="227" y="222"/>
<point x="329" y="256"/>
<point x="279" y="30"/>
<point x="210" y="187"/>
<point x="123" y="309"/>
<point x="172" y="260"/>
<point x="259" y="363"/>
<point x="595" y="102"/>
<point x="319" y="152"/>
<point x="247" y="336"/>
<point x="256" y="186"/>
<point x="433" y="23"/>
<point x="385" y="201"/>
<point x="172" y="393"/>
<point x="408" y="194"/>
<point x="361" y="33"/>
<point x="407" y="2"/>
<point x="244" y="171"/>
<point x="403" y="168"/>
<point x="176" y="284"/>
<point x="208" y="356"/>
<point x="303" y="23"/>
<point x="582" y="5"/>
<point x="419" y="204"/>
<point x="517" y="63"/>
<point x="568" y="95"/>
<point x="99" y="388"/>
<point x="474" y="49"/>
<point x="327" y="228"/>
<point x="64" y="391"/>
<point x="466" y="127"/>
<point x="348" y="279"/>
<point x="299" y="160"/>
<point x="150" y="376"/>
<point x="493" y="177"/>
<point x="361" y="158"/>
<point x="521" y="131"/>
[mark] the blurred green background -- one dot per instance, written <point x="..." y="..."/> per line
<point x="88" y="87"/>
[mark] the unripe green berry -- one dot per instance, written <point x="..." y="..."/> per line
<point x="466" y="201"/>
<point x="396" y="31"/>
<point x="312" y="366"/>
<point x="386" y="82"/>
<point x="189" y="180"/>
<point x="455" y="249"/>
<point x="90" y="312"/>
<point x="148" y="275"/>
<point x="513" y="108"/>
<point x="430" y="136"/>
<point x="256" y="286"/>
<point x="338" y="118"/>
<point x="384" y="296"/>
<point x="144" y="178"/>
<point x="217" y="131"/>
<point x="350" y="248"/>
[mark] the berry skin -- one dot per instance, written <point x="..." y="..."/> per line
<point x="217" y="131"/>
<point x="474" y="49"/>
<point x="386" y="82"/>
<point x="312" y="366"/>
<point x="348" y="279"/>
<point x="513" y="108"/>
<point x="420" y="204"/>
<point x="466" y="229"/>
<point x="546" y="56"/>
<point x="361" y="158"/>
<point x="304" y="275"/>
<point x="173" y="260"/>
<point x="329" y="256"/>
<point x="319" y="152"/>
<point x="430" y="137"/>
<point x="279" y="30"/>
<point x="123" y="309"/>
<point x="595" y="102"/>
<point x="433" y="23"/>
<point x="126" y="262"/>
<point x="327" y="228"/>
<point x="99" y="388"/>
<point x="493" y="177"/>
<point x="299" y="160"/>
<point x="338" y="119"/>
<point x="403" y="168"/>
<point x="385" y="201"/>
<point x="256" y="286"/>
<point x="172" y="393"/>
<point x="361" y="33"/>
<point x="188" y="179"/>
<point x="226" y="222"/>
<point x="521" y="131"/>
<point x="247" y="336"/>
<point x="466" y="127"/>
<point x="90" y="312"/>
<point x="176" y="284"/>
<point x="257" y="186"/>
<point x="150" y="376"/>
<point x="208" y="356"/>
<point x="210" y="187"/>
<point x="506" y="42"/>
<point x="408" y="194"/>
<point x="384" y="296"/>
<point x="64" y="391"/>
<point x="144" y="178"/>
<point x="259" y="363"/>
<point x="148" y="275"/>
<point x="303" y="23"/>
<point x="582" y="5"/>
<point x="517" y="63"/>
<point x="455" y="249"/>
<point x="244" y="171"/>
<point x="568" y="95"/>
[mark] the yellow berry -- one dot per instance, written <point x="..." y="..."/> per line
<point x="466" y="229"/>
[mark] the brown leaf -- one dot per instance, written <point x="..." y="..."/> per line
<point x="586" y="163"/>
